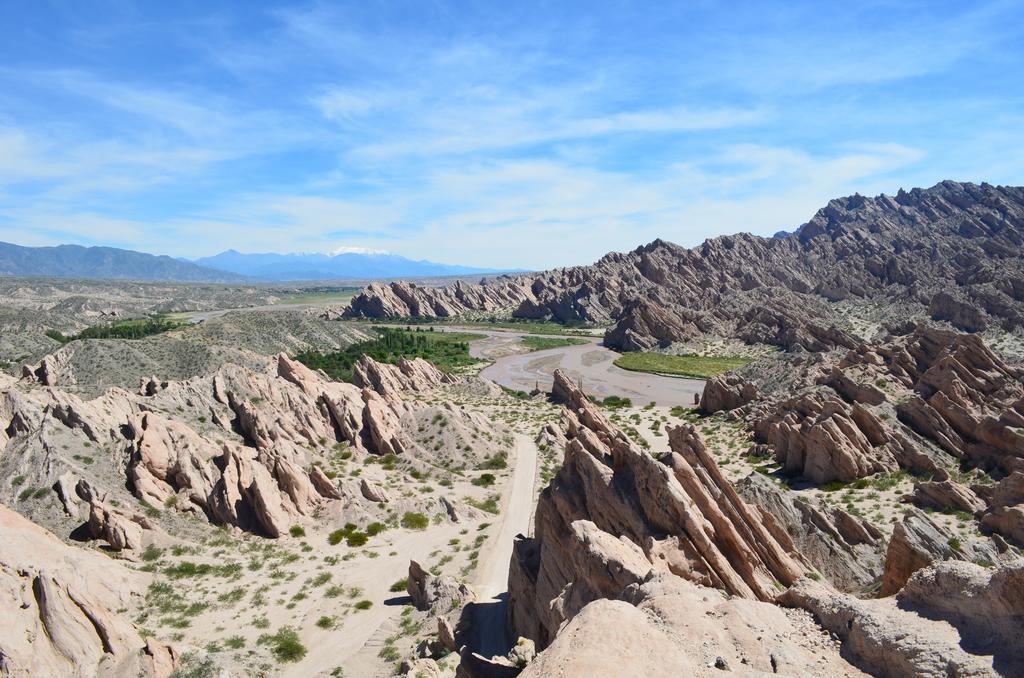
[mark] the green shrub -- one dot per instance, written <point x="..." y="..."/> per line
<point x="284" y="644"/>
<point x="485" y="480"/>
<point x="373" y="529"/>
<point x="356" y="539"/>
<point x="400" y="585"/>
<point x="414" y="521"/>
<point x="363" y="605"/>
<point x="297" y="531"/>
<point x="495" y="462"/>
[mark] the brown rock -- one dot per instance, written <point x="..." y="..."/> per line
<point x="436" y="594"/>
<point x="726" y="392"/>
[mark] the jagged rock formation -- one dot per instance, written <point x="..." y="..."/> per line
<point x="405" y="300"/>
<point x="1005" y="513"/>
<point x="921" y="401"/>
<point x="252" y="469"/>
<point x="917" y="542"/>
<point x="435" y="594"/>
<point x="612" y="514"/>
<point x="846" y="549"/>
<point x="822" y="438"/>
<point x="58" y="610"/>
<point x="965" y="399"/>
<point x="953" y="251"/>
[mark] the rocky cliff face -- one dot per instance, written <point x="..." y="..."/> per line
<point x="952" y="252"/>
<point x="613" y="514"/>
<point x="654" y="566"/>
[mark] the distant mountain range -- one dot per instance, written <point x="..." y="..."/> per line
<point x="365" y="265"/>
<point x="76" y="261"/>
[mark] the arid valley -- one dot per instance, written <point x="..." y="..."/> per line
<point x="476" y="339"/>
<point x="483" y="479"/>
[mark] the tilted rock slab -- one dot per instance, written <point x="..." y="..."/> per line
<point x="57" y="610"/>
<point x="613" y="513"/>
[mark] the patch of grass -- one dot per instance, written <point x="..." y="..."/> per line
<point x="297" y="531"/>
<point x="235" y="643"/>
<point x="325" y="622"/>
<point x="544" y="343"/>
<point x="488" y="505"/>
<point x="284" y="644"/>
<point x="614" y="402"/>
<point x="151" y="554"/>
<point x="412" y="520"/>
<point x="700" y="367"/>
<point x="356" y="539"/>
<point x="399" y="585"/>
<point x="363" y="605"/>
<point x="495" y="462"/>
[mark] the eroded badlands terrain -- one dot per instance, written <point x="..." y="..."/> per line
<point x="198" y="501"/>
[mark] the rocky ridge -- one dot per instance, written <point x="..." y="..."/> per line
<point x="952" y="252"/>
<point x="234" y="447"/>
<point x="698" y="583"/>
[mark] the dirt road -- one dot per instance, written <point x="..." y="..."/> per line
<point x="489" y="635"/>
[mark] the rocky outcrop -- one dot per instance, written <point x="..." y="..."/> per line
<point x="404" y="300"/>
<point x="965" y="399"/>
<point x="985" y="605"/>
<point x="822" y="438"/>
<point x="613" y="513"/>
<point x="391" y="381"/>
<point x="917" y="542"/>
<point x="235" y="447"/>
<point x="667" y="626"/>
<point x="952" y="251"/>
<point x="373" y="492"/>
<point x="885" y="640"/>
<point x="120" y="529"/>
<point x="726" y="392"/>
<point x="947" y="494"/>
<point x="1005" y="512"/>
<point x="436" y="594"/>
<point x="845" y="549"/>
<point x="59" y="617"/>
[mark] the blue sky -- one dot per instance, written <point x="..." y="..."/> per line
<point x="498" y="134"/>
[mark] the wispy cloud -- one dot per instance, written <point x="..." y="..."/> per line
<point x="527" y="137"/>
